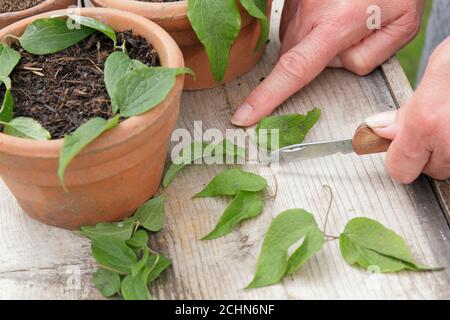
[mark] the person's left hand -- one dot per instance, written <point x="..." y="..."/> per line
<point x="420" y="130"/>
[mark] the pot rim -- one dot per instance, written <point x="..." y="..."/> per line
<point x="176" y="9"/>
<point x="170" y="56"/>
<point x="26" y="12"/>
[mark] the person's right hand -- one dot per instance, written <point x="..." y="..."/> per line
<point x="316" y="34"/>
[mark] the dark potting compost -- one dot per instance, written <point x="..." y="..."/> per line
<point x="63" y="90"/>
<point x="17" y="5"/>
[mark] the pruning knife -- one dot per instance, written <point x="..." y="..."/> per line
<point x="365" y="141"/>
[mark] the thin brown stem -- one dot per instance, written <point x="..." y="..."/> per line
<point x="330" y="203"/>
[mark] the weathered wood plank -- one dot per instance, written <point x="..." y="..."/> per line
<point x="37" y="261"/>
<point x="401" y="91"/>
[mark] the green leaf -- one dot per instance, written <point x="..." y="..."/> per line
<point x="120" y="230"/>
<point x="188" y="155"/>
<point x="258" y="9"/>
<point x="139" y="239"/>
<point x="245" y="205"/>
<point x="151" y="214"/>
<point x="26" y="128"/>
<point x="9" y="59"/>
<point x="199" y="150"/>
<point x="142" y="89"/>
<point x="113" y="254"/>
<point x="135" y="287"/>
<point x="7" y="109"/>
<point x="117" y="65"/>
<point x="96" y="25"/>
<point x="162" y="263"/>
<point x="217" y="25"/>
<point x="231" y="181"/>
<point x="369" y="244"/>
<point x="74" y="143"/>
<point x="293" y="129"/>
<point x="312" y="243"/>
<point x="286" y="229"/>
<point x="141" y="264"/>
<point x="107" y="282"/>
<point x="50" y="35"/>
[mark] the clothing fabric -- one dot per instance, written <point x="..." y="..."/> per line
<point x="437" y="31"/>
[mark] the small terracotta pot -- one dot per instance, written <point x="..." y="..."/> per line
<point x="172" y="16"/>
<point x="48" y="5"/>
<point x="115" y="174"/>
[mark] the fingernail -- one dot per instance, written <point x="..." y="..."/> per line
<point x="242" y="115"/>
<point x="381" y="120"/>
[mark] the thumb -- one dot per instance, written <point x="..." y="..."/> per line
<point x="385" y="124"/>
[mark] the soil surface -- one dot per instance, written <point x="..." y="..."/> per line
<point x="65" y="89"/>
<point x="17" y="5"/>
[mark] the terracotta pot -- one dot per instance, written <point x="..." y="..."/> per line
<point x="48" y="5"/>
<point x="114" y="175"/>
<point x="172" y="16"/>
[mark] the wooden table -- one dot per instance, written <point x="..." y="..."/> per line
<point x="37" y="261"/>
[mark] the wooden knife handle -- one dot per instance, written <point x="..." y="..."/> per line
<point x="366" y="141"/>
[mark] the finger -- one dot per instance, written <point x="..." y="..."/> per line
<point x="408" y="154"/>
<point x="296" y="32"/>
<point x="289" y="11"/>
<point x="385" y="124"/>
<point x="375" y="49"/>
<point x="294" y="70"/>
<point x="335" y="63"/>
<point x="439" y="165"/>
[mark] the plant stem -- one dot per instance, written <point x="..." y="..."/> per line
<point x="112" y="269"/>
<point x="331" y="237"/>
<point x="330" y="203"/>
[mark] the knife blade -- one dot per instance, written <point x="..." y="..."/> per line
<point x="365" y="141"/>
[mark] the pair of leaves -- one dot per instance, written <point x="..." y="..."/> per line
<point x="364" y="242"/>
<point x="290" y="129"/>
<point x="201" y="150"/>
<point x="135" y="286"/>
<point x="117" y="246"/>
<point x="370" y="245"/>
<point x="135" y="88"/>
<point x="286" y="229"/>
<point x="142" y="89"/>
<point x="150" y="216"/>
<point x="50" y="35"/>
<point x="217" y="25"/>
<point x="246" y="204"/>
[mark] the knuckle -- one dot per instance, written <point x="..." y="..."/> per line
<point x="360" y="66"/>
<point x="440" y="57"/>
<point x="356" y="63"/>
<point x="425" y="121"/>
<point x="293" y="65"/>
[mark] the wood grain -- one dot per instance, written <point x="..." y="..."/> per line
<point x="37" y="261"/>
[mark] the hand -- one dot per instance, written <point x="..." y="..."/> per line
<point x="316" y="34"/>
<point x="420" y="130"/>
